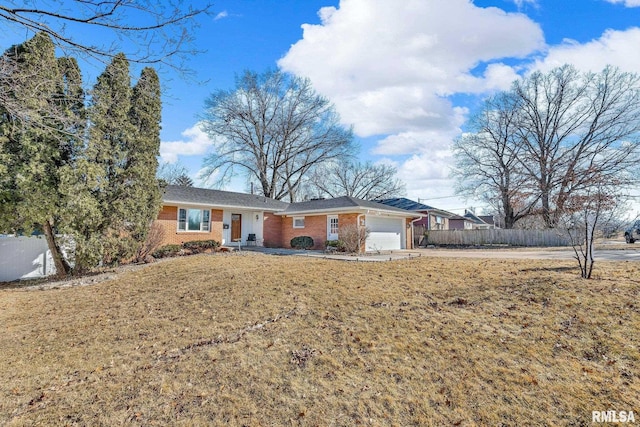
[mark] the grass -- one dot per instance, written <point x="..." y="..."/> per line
<point x="262" y="340"/>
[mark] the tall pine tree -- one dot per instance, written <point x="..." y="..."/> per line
<point x="58" y="175"/>
<point x="141" y="182"/>
<point x="107" y="154"/>
<point x="118" y="194"/>
<point x="39" y="140"/>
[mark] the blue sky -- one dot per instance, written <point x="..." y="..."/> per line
<point x="406" y="74"/>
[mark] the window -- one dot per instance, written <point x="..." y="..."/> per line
<point x="333" y="225"/>
<point x="298" y="222"/>
<point x="194" y="219"/>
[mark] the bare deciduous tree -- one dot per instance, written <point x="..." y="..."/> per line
<point x="577" y="130"/>
<point x="273" y="128"/>
<point x="562" y="133"/>
<point x="487" y="161"/>
<point x="147" y="32"/>
<point x="174" y="174"/>
<point x="361" y="180"/>
<point x="587" y="211"/>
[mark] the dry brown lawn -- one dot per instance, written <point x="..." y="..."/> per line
<point x="262" y="340"/>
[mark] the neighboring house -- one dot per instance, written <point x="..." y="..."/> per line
<point x="434" y="218"/>
<point x="489" y="219"/>
<point x="190" y="213"/>
<point x="479" y="222"/>
<point x="460" y="223"/>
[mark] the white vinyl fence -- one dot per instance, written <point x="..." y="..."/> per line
<point x="538" y="238"/>
<point x="24" y="258"/>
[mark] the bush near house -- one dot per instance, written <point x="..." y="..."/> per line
<point x="302" y="242"/>
<point x="199" y="246"/>
<point x="167" y="251"/>
<point x="337" y="244"/>
<point x="187" y="248"/>
<point x="353" y="238"/>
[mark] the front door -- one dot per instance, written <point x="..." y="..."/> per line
<point x="332" y="227"/>
<point x="236" y="227"/>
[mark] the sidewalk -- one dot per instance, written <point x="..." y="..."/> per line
<point x="368" y="257"/>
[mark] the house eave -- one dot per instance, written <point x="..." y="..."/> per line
<point x="219" y="205"/>
<point x="350" y="209"/>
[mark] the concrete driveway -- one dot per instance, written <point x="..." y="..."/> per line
<point x="627" y="254"/>
<point x="631" y="254"/>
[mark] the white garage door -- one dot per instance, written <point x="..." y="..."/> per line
<point x="386" y="233"/>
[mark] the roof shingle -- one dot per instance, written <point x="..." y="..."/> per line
<point x="205" y="196"/>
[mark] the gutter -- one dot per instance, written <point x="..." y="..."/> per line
<point x="353" y="209"/>
<point x="217" y="205"/>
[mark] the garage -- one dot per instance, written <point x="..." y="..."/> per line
<point x="386" y="233"/>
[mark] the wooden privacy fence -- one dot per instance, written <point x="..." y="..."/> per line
<point x="540" y="238"/>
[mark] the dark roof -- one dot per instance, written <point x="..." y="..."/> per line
<point x="341" y="203"/>
<point x="205" y="196"/>
<point x="407" y="204"/>
<point x="489" y="219"/>
<point x="471" y="216"/>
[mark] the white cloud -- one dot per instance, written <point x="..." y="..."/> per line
<point x="421" y="142"/>
<point x="618" y="48"/>
<point x="221" y="15"/>
<point x="427" y="178"/>
<point x="627" y="3"/>
<point x="388" y="66"/>
<point x="195" y="143"/>
<point x="522" y="3"/>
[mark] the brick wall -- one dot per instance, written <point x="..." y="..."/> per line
<point x="272" y="230"/>
<point x="346" y="220"/>
<point x="314" y="227"/>
<point x="168" y="220"/>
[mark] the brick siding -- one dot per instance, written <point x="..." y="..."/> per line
<point x="314" y="227"/>
<point x="272" y="230"/>
<point x="168" y="220"/>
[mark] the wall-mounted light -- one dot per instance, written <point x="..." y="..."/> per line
<point x="257" y="217"/>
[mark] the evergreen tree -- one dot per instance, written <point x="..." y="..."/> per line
<point x="102" y="169"/>
<point x="184" y="181"/>
<point x="142" y="186"/>
<point x="38" y="140"/>
<point x="117" y="195"/>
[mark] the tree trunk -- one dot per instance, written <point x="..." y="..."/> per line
<point x="62" y="266"/>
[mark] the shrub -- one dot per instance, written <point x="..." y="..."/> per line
<point x="338" y="244"/>
<point x="302" y="242"/>
<point x="353" y="237"/>
<point x="199" y="246"/>
<point x="151" y="243"/>
<point x="167" y="251"/>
